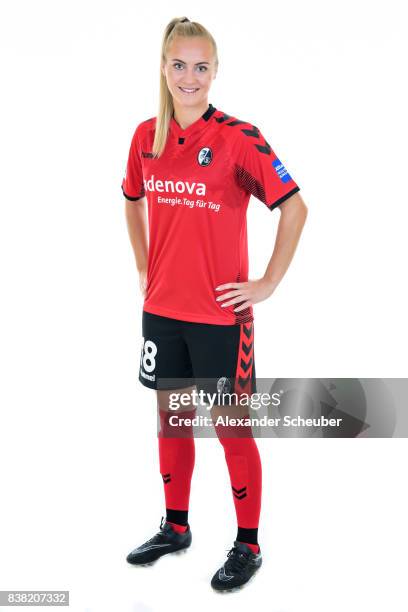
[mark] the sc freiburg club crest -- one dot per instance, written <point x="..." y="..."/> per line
<point x="205" y="156"/>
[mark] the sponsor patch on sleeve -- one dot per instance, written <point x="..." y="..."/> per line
<point x="281" y="171"/>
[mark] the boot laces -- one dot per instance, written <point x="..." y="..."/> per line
<point x="237" y="560"/>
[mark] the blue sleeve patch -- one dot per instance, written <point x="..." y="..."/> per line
<point x="281" y="171"/>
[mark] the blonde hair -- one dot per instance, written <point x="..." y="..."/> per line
<point x="179" y="26"/>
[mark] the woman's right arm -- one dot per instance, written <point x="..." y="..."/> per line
<point x="136" y="220"/>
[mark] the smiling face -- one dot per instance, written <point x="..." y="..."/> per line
<point x="189" y="69"/>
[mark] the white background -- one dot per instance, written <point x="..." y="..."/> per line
<point x="80" y="485"/>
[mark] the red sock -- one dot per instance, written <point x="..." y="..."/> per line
<point x="177" y="458"/>
<point x="245" y="470"/>
<point x="253" y="547"/>
<point x="178" y="528"/>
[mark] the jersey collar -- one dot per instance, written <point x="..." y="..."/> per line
<point x="198" y="125"/>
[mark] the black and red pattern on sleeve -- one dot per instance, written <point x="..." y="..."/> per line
<point x="259" y="171"/>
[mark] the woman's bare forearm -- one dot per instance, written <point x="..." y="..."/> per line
<point x="293" y="217"/>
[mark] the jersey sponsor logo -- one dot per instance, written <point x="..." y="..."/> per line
<point x="205" y="156"/>
<point x="153" y="184"/>
<point x="281" y="171"/>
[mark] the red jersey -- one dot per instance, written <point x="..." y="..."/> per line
<point x="198" y="193"/>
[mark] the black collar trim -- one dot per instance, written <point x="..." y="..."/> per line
<point x="209" y="112"/>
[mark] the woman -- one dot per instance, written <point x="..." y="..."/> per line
<point x="197" y="167"/>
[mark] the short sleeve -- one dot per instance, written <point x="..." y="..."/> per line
<point x="132" y="183"/>
<point x="259" y="171"/>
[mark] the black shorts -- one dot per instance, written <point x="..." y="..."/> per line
<point x="216" y="358"/>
